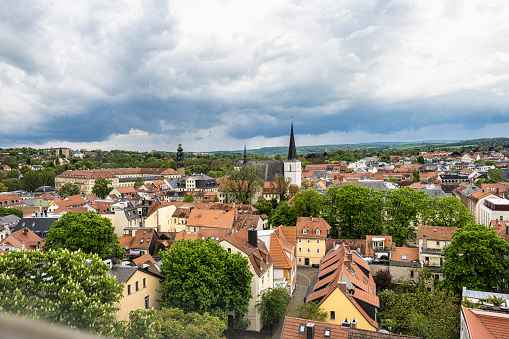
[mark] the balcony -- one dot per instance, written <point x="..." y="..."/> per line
<point x="435" y="251"/>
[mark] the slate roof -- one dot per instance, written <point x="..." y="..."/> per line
<point x="122" y="273"/>
<point x="39" y="226"/>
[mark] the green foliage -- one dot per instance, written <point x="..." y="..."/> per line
<point x="423" y="314"/>
<point x="310" y="311"/>
<point x="273" y="305"/>
<point x="308" y="204"/>
<point x="492" y="299"/>
<point x="68" y="189"/>
<point x="242" y="184"/>
<point x="10" y="210"/>
<point x="102" y="187"/>
<point x="495" y="175"/>
<point x="422" y="280"/>
<point x="446" y="211"/>
<point x="61" y="287"/>
<point x="3" y="188"/>
<point x="264" y="207"/>
<point x="11" y="184"/>
<point x="13" y="174"/>
<point x="216" y="199"/>
<point x="420" y="159"/>
<point x="138" y="182"/>
<point x="203" y="277"/>
<point x="188" y="198"/>
<point x="31" y="180"/>
<point x="173" y="323"/>
<point x="88" y="232"/>
<point x="476" y="259"/>
<point x="416" y="177"/>
<point x="284" y="214"/>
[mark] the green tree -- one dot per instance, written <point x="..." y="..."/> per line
<point x="416" y="177"/>
<point x="420" y="159"/>
<point x="495" y="175"/>
<point x="3" y="188"/>
<point x="88" y="232"/>
<point x="476" y="259"/>
<point x="13" y="174"/>
<point x="403" y="208"/>
<point x="68" y="189"/>
<point x="284" y="214"/>
<point x="31" y="180"/>
<point x="202" y="277"/>
<point x="282" y="187"/>
<point x="102" y="187"/>
<point x="11" y="184"/>
<point x="60" y="286"/>
<point x="423" y="314"/>
<point x="216" y="199"/>
<point x="138" y="182"/>
<point x="243" y="184"/>
<point x="446" y="211"/>
<point x="173" y="323"/>
<point x="273" y="305"/>
<point x="188" y="198"/>
<point x="308" y="204"/>
<point x="310" y="311"/>
<point x="10" y="210"/>
<point x="383" y="280"/>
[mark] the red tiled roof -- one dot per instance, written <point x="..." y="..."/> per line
<point x="126" y="240"/>
<point x="476" y="328"/>
<point x="436" y="232"/>
<point x="292" y="326"/>
<point x="143" y="238"/>
<point x="144" y="259"/>
<point x="311" y="225"/>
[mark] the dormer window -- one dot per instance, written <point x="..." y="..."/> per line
<point x="304" y="231"/>
<point x="317" y="232"/>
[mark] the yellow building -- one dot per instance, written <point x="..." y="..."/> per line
<point x="345" y="289"/>
<point x="140" y="289"/>
<point x="311" y="236"/>
<point x="432" y="240"/>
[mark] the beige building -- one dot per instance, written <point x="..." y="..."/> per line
<point x="140" y="289"/>
<point x="432" y="240"/>
<point x="261" y="264"/>
<point x="311" y="240"/>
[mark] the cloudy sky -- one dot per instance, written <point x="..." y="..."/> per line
<point x="140" y="75"/>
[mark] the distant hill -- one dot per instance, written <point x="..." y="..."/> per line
<point x="382" y="146"/>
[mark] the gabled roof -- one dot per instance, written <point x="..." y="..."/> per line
<point x="259" y="256"/>
<point x="292" y="326"/>
<point x="143" y="238"/>
<point x="23" y="237"/>
<point x="436" y="232"/>
<point x="216" y="234"/>
<point x="290" y="234"/>
<point x="210" y="218"/>
<point x="144" y="259"/>
<point x="279" y="247"/>
<point x="477" y="325"/>
<point x="311" y="225"/>
<point x="126" y="240"/>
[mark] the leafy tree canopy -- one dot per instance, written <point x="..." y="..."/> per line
<point x="10" y="210"/>
<point x="311" y="311"/>
<point x="60" y="286"/>
<point x="88" y="232"/>
<point x="188" y="198"/>
<point x="308" y="204"/>
<point x="242" y="184"/>
<point x="273" y="305"/>
<point x="173" y="323"/>
<point x="138" y="182"/>
<point x="102" y="187"/>
<point x="284" y="214"/>
<point x="203" y="277"/>
<point x="476" y="259"/>
<point x="69" y="189"/>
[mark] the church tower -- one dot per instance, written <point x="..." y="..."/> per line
<point x="180" y="160"/>
<point x="292" y="165"/>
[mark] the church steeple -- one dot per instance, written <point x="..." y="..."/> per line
<point x="245" y="154"/>
<point x="292" y="151"/>
<point x="180" y="160"/>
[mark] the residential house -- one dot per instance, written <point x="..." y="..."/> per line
<point x="141" y="289"/>
<point x="470" y="158"/>
<point x="476" y="200"/>
<point x="261" y="264"/>
<point x="345" y="289"/>
<point x="144" y="242"/>
<point x="311" y="236"/>
<point x="493" y="209"/>
<point x="379" y="246"/>
<point x="432" y="240"/>
<point x="8" y="199"/>
<point x="206" y="219"/>
<point x="22" y="240"/>
<point x="285" y="260"/>
<point x="40" y="226"/>
<point x="486" y="323"/>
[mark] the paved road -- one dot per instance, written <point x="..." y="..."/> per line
<point x="306" y="279"/>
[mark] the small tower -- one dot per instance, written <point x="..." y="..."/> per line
<point x="292" y="166"/>
<point x="180" y="160"/>
<point x="245" y="154"/>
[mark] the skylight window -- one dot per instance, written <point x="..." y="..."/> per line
<point x="302" y="328"/>
<point x="327" y="333"/>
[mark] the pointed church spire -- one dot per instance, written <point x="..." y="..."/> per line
<point x="245" y="154"/>
<point x="292" y="151"/>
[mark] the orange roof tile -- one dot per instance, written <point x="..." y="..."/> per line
<point x="411" y="253"/>
<point x="436" y="232"/>
<point x="476" y="328"/>
<point x="311" y="225"/>
<point x="292" y="326"/>
<point x="210" y="218"/>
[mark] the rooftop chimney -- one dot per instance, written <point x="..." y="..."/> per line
<point x="345" y="323"/>
<point x="310" y="333"/>
<point x="252" y="237"/>
<point x="354" y="323"/>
